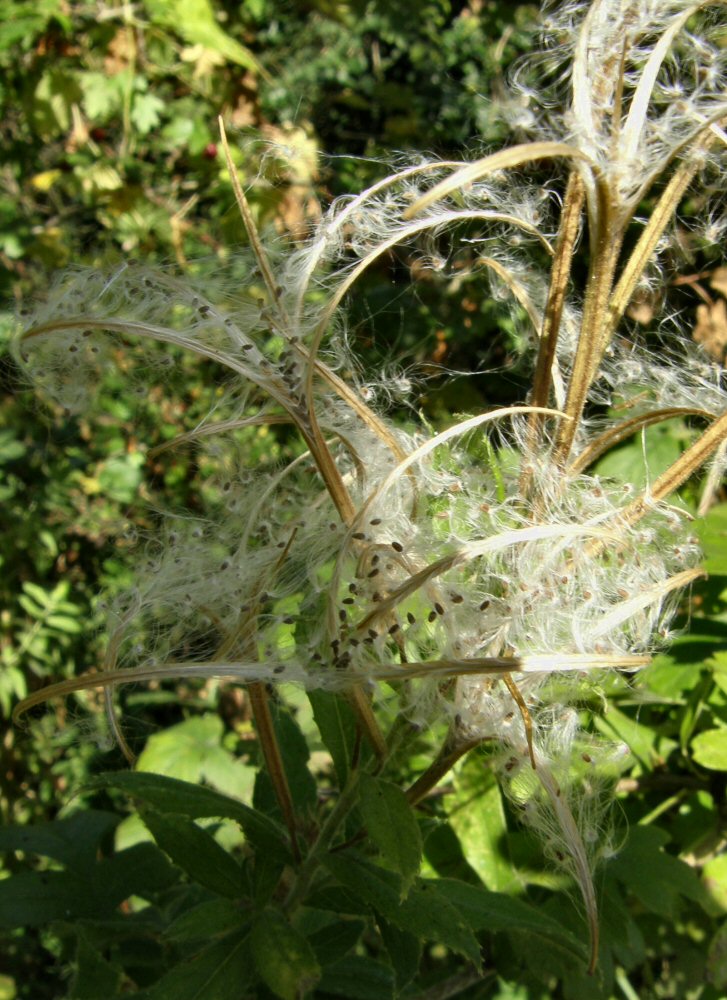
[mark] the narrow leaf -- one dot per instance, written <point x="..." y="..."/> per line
<point x="197" y="802"/>
<point x="391" y="825"/>
<point x="337" y="725"/>
<point x="195" y="851"/>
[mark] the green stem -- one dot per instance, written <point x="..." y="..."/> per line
<point x="308" y="869"/>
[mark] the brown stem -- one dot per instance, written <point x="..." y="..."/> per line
<point x="273" y="759"/>
<point x="445" y="760"/>
<point x="559" y="275"/>
<point x="591" y="345"/>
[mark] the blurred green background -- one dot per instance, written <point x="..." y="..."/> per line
<point x="110" y="152"/>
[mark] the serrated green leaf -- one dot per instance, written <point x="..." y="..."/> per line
<point x="425" y="912"/>
<point x="404" y="950"/>
<point x="222" y="971"/>
<point x="195" y="851"/>
<point x="494" y="911"/>
<point x="193" y="751"/>
<point x="284" y="959"/>
<point x="146" y="112"/>
<point x="391" y="825"/>
<point x="196" y="802"/>
<point x="102" y="95"/>
<point x="358" y="978"/>
<point x="709" y="749"/>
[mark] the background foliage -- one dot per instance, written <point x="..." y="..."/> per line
<point x="109" y="885"/>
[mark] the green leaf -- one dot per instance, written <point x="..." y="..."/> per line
<point x="652" y="875"/>
<point x="195" y="851"/>
<point x="709" y="749"/>
<point x="426" y="913"/>
<point x="10" y="447"/>
<point x="494" y="911"/>
<point x="714" y="879"/>
<point x="193" y="751"/>
<point x="141" y="870"/>
<point x="194" y="21"/>
<point x="205" y="921"/>
<point x="196" y="802"/>
<point x="95" y="976"/>
<point x="284" y="959"/>
<point x="102" y="95"/>
<point x="640" y="739"/>
<point x="644" y="457"/>
<point x="222" y="971"/>
<point x="64" y="623"/>
<point x="119" y="478"/>
<point x="337" y="725"/>
<point x="146" y="112"/>
<point x="295" y="753"/>
<point x="41" y="597"/>
<point x="717" y="959"/>
<point x="718" y="664"/>
<point x="404" y="950"/>
<point x="358" y="978"/>
<point x="712" y="531"/>
<point x="443" y="851"/>
<point x="336" y="939"/>
<point x="34" y="899"/>
<point x="74" y="841"/>
<point x="53" y="100"/>
<point x="477" y="816"/>
<point x="392" y="827"/>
